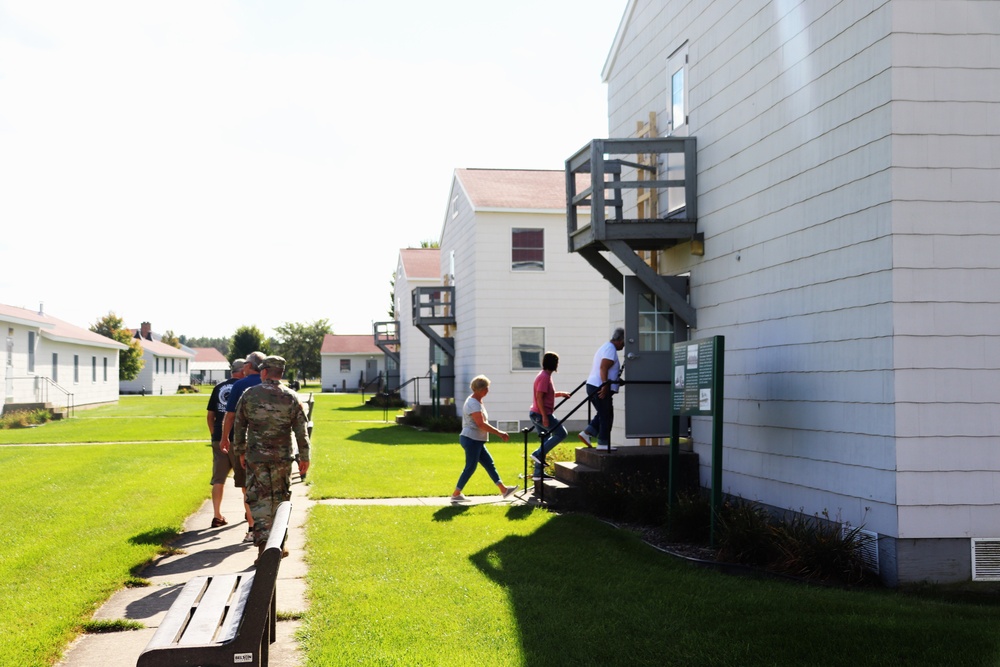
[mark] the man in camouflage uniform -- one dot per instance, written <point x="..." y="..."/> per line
<point x="266" y="417"/>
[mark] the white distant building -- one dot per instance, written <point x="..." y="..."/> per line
<point x="507" y="291"/>
<point x="417" y="267"/>
<point x="51" y="363"/>
<point x="166" y="368"/>
<point x="840" y="230"/>
<point x="351" y="363"/>
<point x="209" y="366"/>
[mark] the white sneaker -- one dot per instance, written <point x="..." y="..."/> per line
<point x="585" y="439"/>
<point x="460" y="498"/>
<point x="510" y="491"/>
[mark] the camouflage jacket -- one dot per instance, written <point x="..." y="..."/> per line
<point x="266" y="417"/>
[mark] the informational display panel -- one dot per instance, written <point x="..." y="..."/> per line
<point x="694" y="388"/>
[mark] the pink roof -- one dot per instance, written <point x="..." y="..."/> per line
<point x="56" y="329"/>
<point x="514" y="188"/>
<point x="208" y="354"/>
<point x="421" y="262"/>
<point x="349" y="344"/>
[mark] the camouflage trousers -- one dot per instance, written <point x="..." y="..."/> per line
<point x="268" y="485"/>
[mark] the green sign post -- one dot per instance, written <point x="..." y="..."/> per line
<point x="697" y="390"/>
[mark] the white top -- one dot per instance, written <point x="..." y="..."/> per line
<point x="606" y="351"/>
<point x="469" y="427"/>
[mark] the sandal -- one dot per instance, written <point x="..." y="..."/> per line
<point x="219" y="522"/>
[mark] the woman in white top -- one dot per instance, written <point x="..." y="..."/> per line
<point x="476" y="431"/>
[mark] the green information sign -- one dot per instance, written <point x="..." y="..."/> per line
<point x="697" y="391"/>
<point x="694" y="385"/>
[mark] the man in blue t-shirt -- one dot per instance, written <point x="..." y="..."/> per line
<point x="251" y="373"/>
<point x="251" y="377"/>
<point x="223" y="462"/>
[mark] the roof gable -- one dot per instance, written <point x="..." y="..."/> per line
<point x="421" y="262"/>
<point x="514" y="188"/>
<point x="56" y="329"/>
<point x="349" y="344"/>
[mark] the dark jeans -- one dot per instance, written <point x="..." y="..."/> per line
<point x="604" y="416"/>
<point x="476" y="453"/>
<point x="556" y="434"/>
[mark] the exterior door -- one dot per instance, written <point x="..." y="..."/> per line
<point x="648" y="362"/>
<point x="371" y="370"/>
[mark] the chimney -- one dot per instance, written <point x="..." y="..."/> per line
<point x="41" y="308"/>
<point x="146" y="331"/>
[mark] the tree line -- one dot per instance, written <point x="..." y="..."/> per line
<point x="299" y="343"/>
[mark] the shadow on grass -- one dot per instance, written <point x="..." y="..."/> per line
<point x="402" y="435"/>
<point x="583" y="594"/>
<point x="450" y="512"/>
<point x="156" y="536"/>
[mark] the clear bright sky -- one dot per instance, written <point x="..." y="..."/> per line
<point x="208" y="164"/>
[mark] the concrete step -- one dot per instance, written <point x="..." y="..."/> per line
<point x="572" y="472"/>
<point x="557" y="494"/>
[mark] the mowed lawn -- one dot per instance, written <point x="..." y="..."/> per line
<point x="489" y="584"/>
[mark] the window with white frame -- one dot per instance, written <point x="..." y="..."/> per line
<point x="105" y="369"/>
<point x="76" y="369"/>
<point x="527" y="249"/>
<point x="345" y="365"/>
<point x="527" y="348"/>
<point x="55" y="367"/>
<point x="93" y="369"/>
<point x="31" y="351"/>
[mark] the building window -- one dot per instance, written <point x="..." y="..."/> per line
<point x="172" y="368"/>
<point x="93" y="369"/>
<point x="105" y="369"/>
<point x="76" y="369"/>
<point x="345" y="365"/>
<point x="31" y="351"/>
<point x="55" y="367"/>
<point x="157" y="365"/>
<point x="527" y="347"/>
<point x="527" y="249"/>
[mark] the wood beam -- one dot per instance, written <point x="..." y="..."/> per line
<point x="654" y="281"/>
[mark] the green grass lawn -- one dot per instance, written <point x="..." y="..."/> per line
<point x="76" y="521"/>
<point x="489" y="584"/>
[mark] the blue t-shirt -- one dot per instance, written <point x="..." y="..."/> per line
<point x="238" y="389"/>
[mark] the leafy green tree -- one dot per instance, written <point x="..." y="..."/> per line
<point x="130" y="361"/>
<point x="168" y="338"/>
<point x="300" y="344"/>
<point x="247" y="339"/>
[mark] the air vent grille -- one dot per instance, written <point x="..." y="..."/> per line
<point x="986" y="559"/>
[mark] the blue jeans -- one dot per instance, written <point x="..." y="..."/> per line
<point x="554" y="437"/>
<point x="476" y="452"/>
<point x="604" y="416"/>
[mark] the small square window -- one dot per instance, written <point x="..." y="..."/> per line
<point x="527" y="348"/>
<point x="345" y="365"/>
<point x="527" y="249"/>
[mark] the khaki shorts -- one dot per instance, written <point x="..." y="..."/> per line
<point x="222" y="463"/>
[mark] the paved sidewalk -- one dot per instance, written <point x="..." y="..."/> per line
<point x="204" y="550"/>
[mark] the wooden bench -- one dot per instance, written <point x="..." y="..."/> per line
<point x="223" y="620"/>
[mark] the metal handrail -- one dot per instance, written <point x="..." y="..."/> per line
<point x="44" y="395"/>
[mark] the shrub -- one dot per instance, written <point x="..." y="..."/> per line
<point x="809" y="547"/>
<point x="24" y="418"/>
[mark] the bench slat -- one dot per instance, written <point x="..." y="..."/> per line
<point x="175" y="621"/>
<point x="211" y="611"/>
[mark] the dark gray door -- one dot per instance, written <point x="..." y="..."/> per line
<point x="371" y="370"/>
<point x="649" y="336"/>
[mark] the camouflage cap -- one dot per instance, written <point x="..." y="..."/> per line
<point x="238" y="365"/>
<point x="273" y="361"/>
